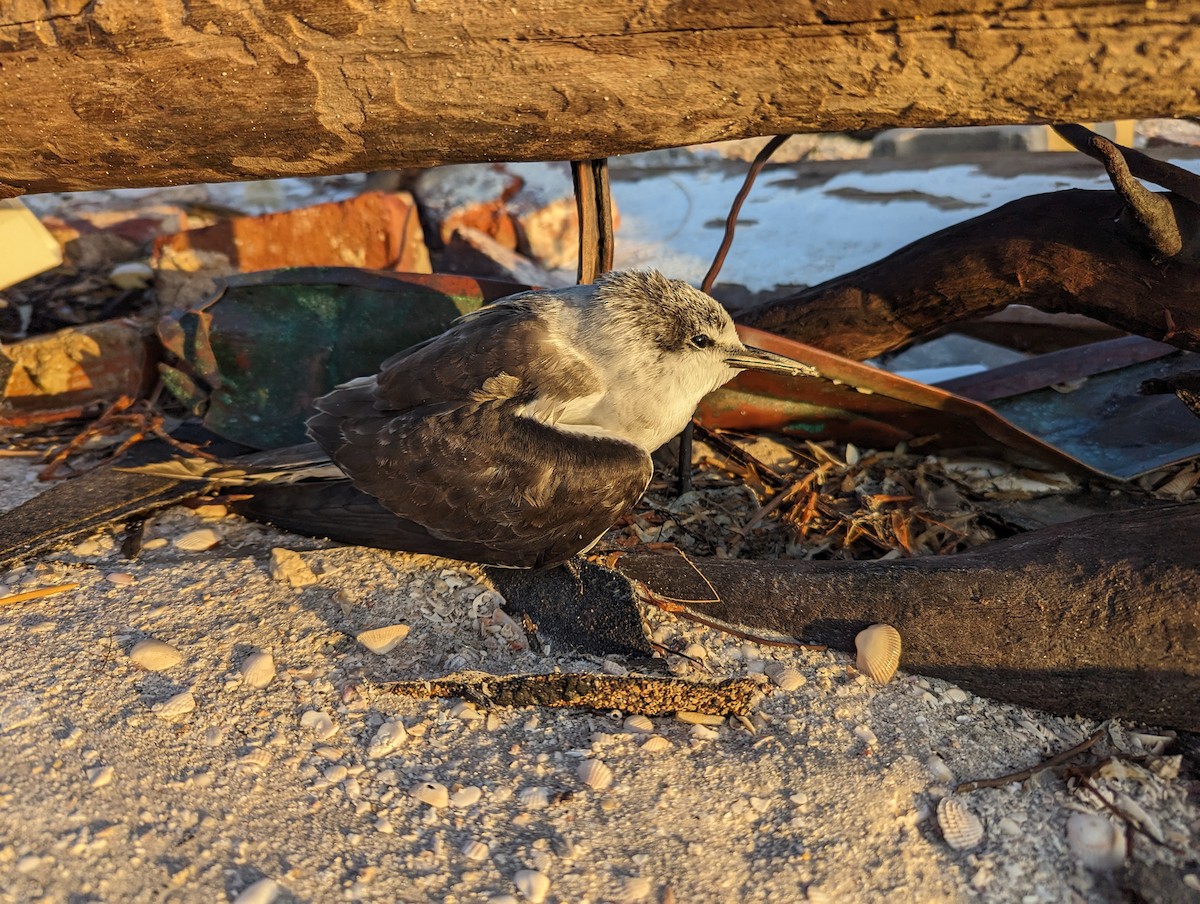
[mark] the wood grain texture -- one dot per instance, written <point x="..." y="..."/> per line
<point x="153" y="92"/>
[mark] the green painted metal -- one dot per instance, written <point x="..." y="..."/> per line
<point x="254" y="357"/>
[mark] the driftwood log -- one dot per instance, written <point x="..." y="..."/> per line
<point x="127" y="92"/>
<point x="1128" y="257"/>
<point x="1099" y="616"/>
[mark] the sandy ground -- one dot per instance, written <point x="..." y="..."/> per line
<point x="829" y="792"/>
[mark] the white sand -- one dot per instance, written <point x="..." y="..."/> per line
<point x="831" y="798"/>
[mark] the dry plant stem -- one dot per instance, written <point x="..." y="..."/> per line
<point x="14" y="598"/>
<point x="760" y="160"/>
<point x="679" y="608"/>
<point x="1024" y="774"/>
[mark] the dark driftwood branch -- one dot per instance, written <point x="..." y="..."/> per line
<point x="1129" y="258"/>
<point x="1173" y="178"/>
<point x="1063" y="251"/>
<point x="124" y="93"/>
<point x="1098" y="616"/>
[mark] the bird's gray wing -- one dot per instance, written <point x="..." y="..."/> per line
<point x="439" y="439"/>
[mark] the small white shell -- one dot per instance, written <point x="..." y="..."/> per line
<point x="466" y="712"/>
<point x="131" y="275"/>
<point x="383" y="640"/>
<point x="532" y="885"/>
<point x="100" y="776"/>
<point x="637" y="888"/>
<point x="175" y="708"/>
<point x="389" y="736"/>
<point x="466" y="797"/>
<point x="264" y="891"/>
<point x="878" y="652"/>
<point x="198" y="540"/>
<point x="258" y="670"/>
<point x="319" y="724"/>
<point x="288" y="567"/>
<point x="255" y="761"/>
<point x="960" y="827"/>
<point x="595" y="774"/>
<point x="638" y="724"/>
<point x="1095" y="842"/>
<point x="534" y="798"/>
<point x="433" y="793"/>
<point x="656" y="744"/>
<point x="787" y="678"/>
<point x="475" y="850"/>
<point x="154" y="655"/>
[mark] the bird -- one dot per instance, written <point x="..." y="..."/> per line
<point x="516" y="438"/>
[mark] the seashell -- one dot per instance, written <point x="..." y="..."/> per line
<point x="960" y="827"/>
<point x="258" y="670"/>
<point x="878" y="652"/>
<point x="211" y="511"/>
<point x="336" y="773"/>
<point x="466" y="797"/>
<point x="696" y="651"/>
<point x="288" y="567"/>
<point x="475" y="850"/>
<point x="389" y="736"/>
<point x="656" y="744"/>
<point x="328" y="753"/>
<point x="938" y="770"/>
<point x="255" y="760"/>
<point x="120" y="578"/>
<point x="131" y="275"/>
<point x="638" y="724"/>
<point x="704" y="733"/>
<point x="595" y="774"/>
<point x="264" y="891"/>
<point x="466" y="712"/>
<point x="198" y="540"/>
<point x="155" y="543"/>
<point x="319" y="724"/>
<point x="787" y="678"/>
<point x="636" y="889"/>
<point x="1095" y="842"/>
<point x="100" y="776"/>
<point x="534" y="798"/>
<point x="154" y="655"/>
<point x="433" y="793"/>
<point x="175" y="708"/>
<point x="693" y="718"/>
<point x="864" y="734"/>
<point x="532" y="885"/>
<point x="383" y="640"/>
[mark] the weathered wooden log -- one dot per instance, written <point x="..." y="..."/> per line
<point x="125" y="93"/>
<point x="1099" y="616"/>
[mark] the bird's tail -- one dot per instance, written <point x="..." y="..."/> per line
<point x="274" y="466"/>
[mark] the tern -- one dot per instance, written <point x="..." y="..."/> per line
<point x="517" y="437"/>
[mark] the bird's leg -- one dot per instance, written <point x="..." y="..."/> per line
<point x="572" y="568"/>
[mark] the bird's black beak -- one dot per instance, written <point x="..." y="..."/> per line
<point x="749" y="358"/>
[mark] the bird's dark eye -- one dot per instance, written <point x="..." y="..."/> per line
<point x="702" y="341"/>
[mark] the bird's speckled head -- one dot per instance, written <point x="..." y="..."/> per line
<point x="657" y="346"/>
<point x="668" y="312"/>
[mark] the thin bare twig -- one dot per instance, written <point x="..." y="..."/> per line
<point x="1023" y="775"/>
<point x="27" y="595"/>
